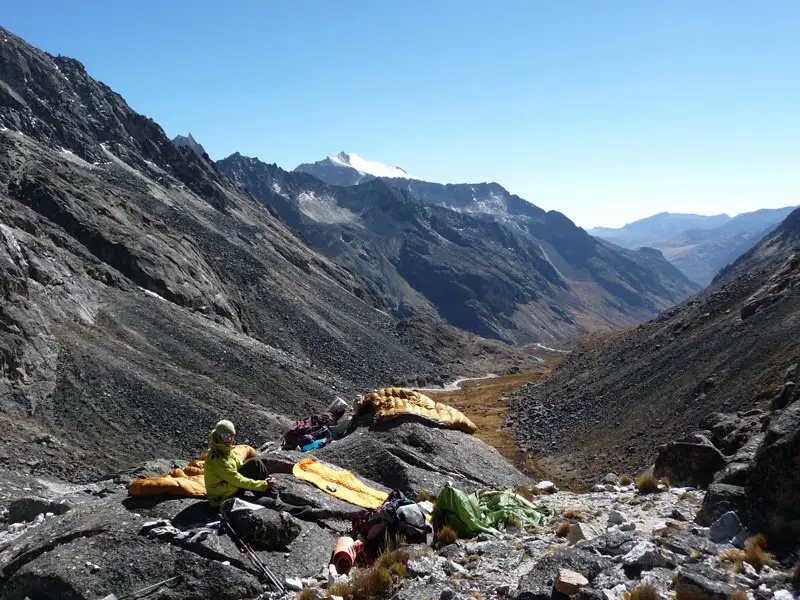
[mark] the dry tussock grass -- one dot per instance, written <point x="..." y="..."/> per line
<point x="446" y="536"/>
<point x="755" y="552"/>
<point x="642" y="592"/>
<point x="666" y="482"/>
<point x="563" y="529"/>
<point x="424" y="495"/>
<point x="574" y="514"/>
<point x="738" y="595"/>
<point x="646" y="484"/>
<point x="625" y="479"/>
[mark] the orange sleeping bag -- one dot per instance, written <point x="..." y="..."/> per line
<point x="187" y="481"/>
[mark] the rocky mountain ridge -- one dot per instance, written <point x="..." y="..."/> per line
<point x="426" y="247"/>
<point x="143" y="294"/>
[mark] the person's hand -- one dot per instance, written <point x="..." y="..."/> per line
<point x="270" y="483"/>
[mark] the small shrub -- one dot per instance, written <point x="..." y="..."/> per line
<point x="575" y="515"/>
<point x="686" y="496"/>
<point x="738" y="595"/>
<point x="423" y="496"/>
<point x="307" y="594"/>
<point x="733" y="556"/>
<point x="665" y="481"/>
<point x="388" y="560"/>
<point x="563" y="529"/>
<point x="755" y="553"/>
<point x="368" y="584"/>
<point x="446" y="536"/>
<point x="644" y="592"/>
<point x="526" y="493"/>
<point x="625" y="479"/>
<point x="646" y="484"/>
<point x="339" y="589"/>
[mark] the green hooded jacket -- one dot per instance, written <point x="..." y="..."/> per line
<point x="222" y="475"/>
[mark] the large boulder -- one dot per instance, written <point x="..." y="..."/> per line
<point x="693" y="461"/>
<point x="264" y="529"/>
<point x="720" y="498"/>
<point x="772" y="486"/>
<point x="413" y="456"/>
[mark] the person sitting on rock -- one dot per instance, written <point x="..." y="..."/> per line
<point x="225" y="475"/>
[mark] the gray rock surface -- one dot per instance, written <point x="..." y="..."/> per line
<point x="412" y="457"/>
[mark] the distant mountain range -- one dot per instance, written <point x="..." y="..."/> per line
<point x="474" y="254"/>
<point x="698" y="245"/>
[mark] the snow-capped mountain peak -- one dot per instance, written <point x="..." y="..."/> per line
<point x="368" y="167"/>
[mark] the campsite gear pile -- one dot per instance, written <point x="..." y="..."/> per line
<point x="398" y="518"/>
<point x="391" y="403"/>
<point x="315" y="431"/>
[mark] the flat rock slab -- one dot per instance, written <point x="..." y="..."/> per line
<point x="412" y="456"/>
<point x="570" y="582"/>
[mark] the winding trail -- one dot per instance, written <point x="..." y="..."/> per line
<point x="455" y="385"/>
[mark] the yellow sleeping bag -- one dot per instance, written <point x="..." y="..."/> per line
<point x="340" y="484"/>
<point x="394" y="402"/>
<point x="184" y="481"/>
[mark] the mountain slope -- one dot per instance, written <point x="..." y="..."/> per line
<point x="520" y="276"/>
<point x="144" y="295"/>
<point x="349" y="169"/>
<point x="776" y="245"/>
<point x="699" y="246"/>
<point x="726" y="349"/>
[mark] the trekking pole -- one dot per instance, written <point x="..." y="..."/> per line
<point x="257" y="563"/>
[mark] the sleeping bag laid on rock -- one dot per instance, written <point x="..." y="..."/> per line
<point x="487" y="511"/>
<point x="390" y="403"/>
<point x="188" y="481"/>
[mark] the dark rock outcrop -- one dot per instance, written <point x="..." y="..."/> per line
<point x="772" y="487"/>
<point x="693" y="461"/>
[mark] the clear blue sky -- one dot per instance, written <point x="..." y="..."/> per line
<point x="607" y="111"/>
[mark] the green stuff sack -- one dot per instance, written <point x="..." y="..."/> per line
<point x="504" y="508"/>
<point x="487" y="511"/>
<point x="462" y="512"/>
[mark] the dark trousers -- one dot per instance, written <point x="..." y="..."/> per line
<point x="254" y="468"/>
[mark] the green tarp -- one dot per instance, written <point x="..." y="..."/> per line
<point x="487" y="511"/>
